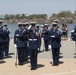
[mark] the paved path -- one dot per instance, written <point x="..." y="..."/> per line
<point x="66" y="67"/>
<point x="67" y="64"/>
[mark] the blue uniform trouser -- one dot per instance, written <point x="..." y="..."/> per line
<point x="39" y="43"/>
<point x="1" y="50"/>
<point x="55" y="54"/>
<point x="33" y="57"/>
<point x="46" y="44"/>
<point x="26" y="53"/>
<point x="49" y="41"/>
<point x="6" y="48"/>
<point x="20" y="54"/>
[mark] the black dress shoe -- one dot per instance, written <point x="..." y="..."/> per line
<point x="25" y="59"/>
<point x="39" y="51"/>
<point x="53" y="64"/>
<point x="33" y="68"/>
<point x="21" y="63"/>
<point x="6" y="55"/>
<point x="57" y="63"/>
<point x="46" y="50"/>
<point x="1" y="58"/>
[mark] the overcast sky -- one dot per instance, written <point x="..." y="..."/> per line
<point x="36" y="6"/>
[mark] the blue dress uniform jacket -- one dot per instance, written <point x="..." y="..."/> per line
<point x="33" y="46"/>
<point x="25" y="35"/>
<point x="26" y="50"/>
<point x="1" y="42"/>
<point x="6" y="35"/>
<point x="45" y="34"/>
<point x="46" y="38"/>
<point x="33" y="40"/>
<point x="6" y="40"/>
<point x="74" y="35"/>
<point x="19" y="40"/>
<point x="55" y="36"/>
<point x="1" y="34"/>
<point x="55" y="41"/>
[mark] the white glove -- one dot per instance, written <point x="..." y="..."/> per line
<point x="49" y="46"/>
<point x="17" y="34"/>
<point x="15" y="45"/>
<point x="52" y="36"/>
<point x="38" y="48"/>
<point x="74" y="42"/>
<point x="42" y="38"/>
<point x="29" y="27"/>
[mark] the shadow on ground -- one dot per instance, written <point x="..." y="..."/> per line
<point x="74" y="56"/>
<point x="26" y="62"/>
<point x="40" y="51"/>
<point x="1" y="61"/>
<point x="60" y="62"/>
<point x="11" y="54"/>
<point x="40" y="66"/>
<point x="6" y="57"/>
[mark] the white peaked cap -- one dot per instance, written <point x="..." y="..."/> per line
<point x="56" y="20"/>
<point x="54" y="23"/>
<point x="19" y="23"/>
<point x="32" y="22"/>
<point x="45" y="24"/>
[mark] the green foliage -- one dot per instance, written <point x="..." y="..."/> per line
<point x="75" y="12"/>
<point x="37" y="16"/>
<point x="63" y="14"/>
<point x="67" y="15"/>
<point x="7" y="17"/>
<point x="54" y="15"/>
<point x="22" y="16"/>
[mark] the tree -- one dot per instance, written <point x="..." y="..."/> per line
<point x="37" y="16"/>
<point x="6" y="17"/>
<point x="17" y="16"/>
<point x="65" y="14"/>
<point x="75" y="12"/>
<point x="54" y="15"/>
<point x="11" y="16"/>
<point x="23" y="16"/>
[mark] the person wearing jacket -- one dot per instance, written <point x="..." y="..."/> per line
<point x="19" y="43"/>
<point x="55" y="36"/>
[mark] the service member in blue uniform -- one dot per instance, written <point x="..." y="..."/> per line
<point x="55" y="35"/>
<point x="25" y="35"/>
<point x="6" y="39"/>
<point x="19" y="43"/>
<point x="1" y="40"/>
<point x="39" y="37"/>
<point x="46" y="36"/>
<point x="33" y="45"/>
<point x="74" y="35"/>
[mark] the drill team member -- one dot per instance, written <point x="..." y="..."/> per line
<point x="19" y="43"/>
<point x="55" y="36"/>
<point x="6" y="39"/>
<point x="1" y="41"/>
<point x="46" y="36"/>
<point x="39" y="38"/>
<point x="33" y="45"/>
<point x="25" y="35"/>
